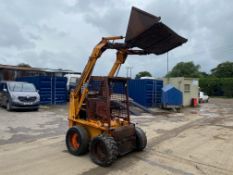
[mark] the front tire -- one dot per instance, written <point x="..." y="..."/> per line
<point x="141" y="140"/>
<point x="77" y="140"/>
<point x="35" y="109"/>
<point x="103" y="150"/>
<point x="8" y="106"/>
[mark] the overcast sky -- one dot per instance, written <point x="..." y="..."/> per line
<point x="62" y="33"/>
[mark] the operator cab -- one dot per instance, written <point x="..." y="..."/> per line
<point x="107" y="97"/>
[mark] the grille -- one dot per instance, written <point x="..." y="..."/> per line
<point x="118" y="99"/>
<point x="27" y="99"/>
<point x="113" y="96"/>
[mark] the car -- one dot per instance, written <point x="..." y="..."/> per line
<point x="19" y="95"/>
<point x="203" y="98"/>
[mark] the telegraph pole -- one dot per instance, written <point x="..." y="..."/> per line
<point x="129" y="71"/>
<point x="167" y="63"/>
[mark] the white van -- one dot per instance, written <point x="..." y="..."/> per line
<point x="72" y="80"/>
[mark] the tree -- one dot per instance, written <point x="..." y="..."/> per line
<point x="204" y="74"/>
<point x="143" y="74"/>
<point x="185" y="69"/>
<point x="223" y="70"/>
<point x="24" y="65"/>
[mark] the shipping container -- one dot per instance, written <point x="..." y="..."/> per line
<point x="171" y="97"/>
<point x="52" y="89"/>
<point x="146" y="92"/>
<point x="59" y="90"/>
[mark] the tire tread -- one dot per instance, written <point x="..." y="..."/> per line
<point x="141" y="140"/>
<point x="83" y="135"/>
<point x="111" y="147"/>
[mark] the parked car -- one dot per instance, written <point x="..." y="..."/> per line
<point x="19" y="95"/>
<point x="203" y="98"/>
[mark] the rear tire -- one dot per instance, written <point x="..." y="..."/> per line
<point x="141" y="140"/>
<point x="77" y="140"/>
<point x="103" y="150"/>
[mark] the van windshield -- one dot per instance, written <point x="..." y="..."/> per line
<point x="21" y="87"/>
<point x="73" y="80"/>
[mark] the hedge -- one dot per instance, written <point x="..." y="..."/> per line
<point x="217" y="86"/>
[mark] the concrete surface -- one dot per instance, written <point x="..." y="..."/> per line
<point x="196" y="141"/>
<point x="29" y="126"/>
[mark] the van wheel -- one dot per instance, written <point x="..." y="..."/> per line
<point x="8" y="106"/>
<point x="36" y="109"/>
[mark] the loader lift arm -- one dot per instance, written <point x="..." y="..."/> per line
<point x="121" y="56"/>
<point x="145" y="31"/>
<point x="78" y="95"/>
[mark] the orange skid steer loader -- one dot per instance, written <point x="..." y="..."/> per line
<point x="99" y="118"/>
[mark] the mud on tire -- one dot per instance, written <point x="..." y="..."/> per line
<point x="103" y="150"/>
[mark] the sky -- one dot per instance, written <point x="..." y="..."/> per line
<point x="62" y="33"/>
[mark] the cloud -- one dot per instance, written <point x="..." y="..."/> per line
<point x="46" y="59"/>
<point x="108" y="16"/>
<point x="62" y="33"/>
<point x="12" y="36"/>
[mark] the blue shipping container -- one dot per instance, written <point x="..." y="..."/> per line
<point x="59" y="90"/>
<point x="171" y="97"/>
<point x="146" y="92"/>
<point x="52" y="90"/>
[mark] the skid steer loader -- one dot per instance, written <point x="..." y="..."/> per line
<point x="99" y="118"/>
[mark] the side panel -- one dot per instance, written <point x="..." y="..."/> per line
<point x="146" y="92"/>
<point x="125" y="137"/>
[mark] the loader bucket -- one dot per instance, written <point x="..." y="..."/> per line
<point x="148" y="33"/>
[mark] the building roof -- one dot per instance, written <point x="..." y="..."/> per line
<point x="169" y="87"/>
<point x="11" y="67"/>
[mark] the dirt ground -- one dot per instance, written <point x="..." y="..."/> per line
<point x="195" y="141"/>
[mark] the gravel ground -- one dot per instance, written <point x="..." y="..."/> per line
<point x="195" y="141"/>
